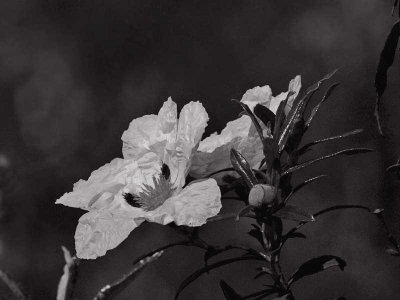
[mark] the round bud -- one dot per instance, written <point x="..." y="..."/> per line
<point x="261" y="194"/>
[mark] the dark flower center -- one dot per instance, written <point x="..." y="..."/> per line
<point x="152" y="197"/>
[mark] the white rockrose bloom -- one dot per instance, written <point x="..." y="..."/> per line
<point x="213" y="153"/>
<point x="147" y="184"/>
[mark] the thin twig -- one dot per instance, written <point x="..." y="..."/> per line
<point x="110" y="291"/>
<point x="68" y="279"/>
<point x="13" y="286"/>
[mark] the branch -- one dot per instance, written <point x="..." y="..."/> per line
<point x="110" y="291"/>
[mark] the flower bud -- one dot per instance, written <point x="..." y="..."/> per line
<point x="262" y="194"/>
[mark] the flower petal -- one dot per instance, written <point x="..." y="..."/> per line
<point x="257" y="95"/>
<point x="101" y="186"/>
<point x="191" y="207"/>
<point x="138" y="138"/>
<point x="214" y="151"/>
<point x="151" y="133"/>
<point x="294" y="86"/>
<point x="101" y="230"/>
<point x="192" y="123"/>
<point x="263" y="96"/>
<point x="105" y="182"/>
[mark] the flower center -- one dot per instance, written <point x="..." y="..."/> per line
<point x="152" y="197"/>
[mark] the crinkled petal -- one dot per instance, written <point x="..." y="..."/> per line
<point x="294" y="87"/>
<point x="263" y="96"/>
<point x="236" y="128"/>
<point x="105" y="182"/>
<point x="101" y="230"/>
<point x="214" y="152"/>
<point x="191" y="207"/>
<point x="101" y="186"/>
<point x="192" y="123"/>
<point x="138" y="138"/>
<point x="257" y="95"/>
<point x="151" y="133"/>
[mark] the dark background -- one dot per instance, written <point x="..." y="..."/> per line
<point x="73" y="74"/>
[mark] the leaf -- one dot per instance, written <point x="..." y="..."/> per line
<point x="68" y="279"/>
<point x="297" y="111"/>
<point x="284" y="297"/>
<point x="316" y="265"/>
<point x="303" y="184"/>
<point x="386" y="59"/>
<point x="252" y="117"/>
<point x="395" y="4"/>
<point x="303" y="149"/>
<point x="316" y="108"/>
<point x="192" y="277"/>
<point x="392" y="251"/>
<point x="338" y="207"/>
<point x="265" y="115"/>
<point x="350" y="151"/>
<point x="229" y="292"/>
<point x="243" y="212"/>
<point x="214" y="251"/>
<point x="256" y="233"/>
<point x="280" y="116"/>
<point x="393" y="168"/>
<point x="294" y="213"/>
<point x="263" y="271"/>
<point x="241" y="166"/>
<point x="262" y="294"/>
<point x="385" y="62"/>
<point x="292" y="235"/>
<point x="111" y="291"/>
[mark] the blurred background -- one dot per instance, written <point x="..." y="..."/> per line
<point x="73" y="74"/>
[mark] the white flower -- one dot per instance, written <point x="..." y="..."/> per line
<point x="148" y="184"/>
<point x="213" y="153"/>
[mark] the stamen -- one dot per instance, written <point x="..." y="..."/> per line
<point x="132" y="200"/>
<point x="165" y="171"/>
<point x="152" y="196"/>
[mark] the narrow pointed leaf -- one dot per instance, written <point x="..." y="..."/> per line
<point x="393" y="252"/>
<point x="385" y="62"/>
<point x="261" y="294"/>
<point x="241" y="166"/>
<point x="284" y="297"/>
<point x="393" y="168"/>
<point x="111" y="291"/>
<point x="229" y="292"/>
<point x="303" y="149"/>
<point x="350" y="151"/>
<point x="280" y="117"/>
<point x="339" y="207"/>
<point x="386" y="59"/>
<point x="214" y="251"/>
<point x="252" y="117"/>
<point x="303" y="184"/>
<point x="265" y="115"/>
<point x="316" y="265"/>
<point x="192" y="277"/>
<point x="316" y="108"/>
<point x="68" y="279"/>
<point x="297" y="111"/>
<point x="294" y="235"/>
<point x="395" y="3"/>
<point x="256" y="233"/>
<point x="244" y="211"/>
<point x="294" y="213"/>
